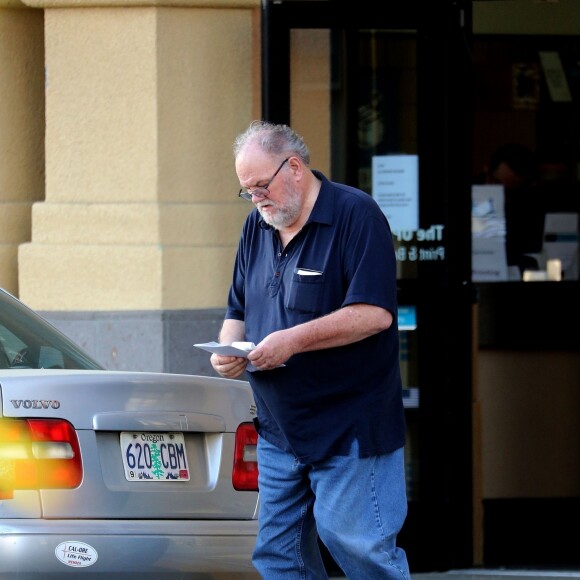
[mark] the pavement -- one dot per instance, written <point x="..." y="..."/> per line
<point x="491" y="574"/>
<point x="497" y="574"/>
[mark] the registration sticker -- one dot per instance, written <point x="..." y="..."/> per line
<point x="154" y="456"/>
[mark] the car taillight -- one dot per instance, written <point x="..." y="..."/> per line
<point x="38" y="453"/>
<point x="245" y="472"/>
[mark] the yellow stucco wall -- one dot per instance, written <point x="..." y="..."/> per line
<point x="142" y="106"/>
<point x="21" y="130"/>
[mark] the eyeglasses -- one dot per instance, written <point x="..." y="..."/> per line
<point x="262" y="190"/>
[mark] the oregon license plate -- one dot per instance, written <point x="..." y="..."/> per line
<point x="154" y="456"/>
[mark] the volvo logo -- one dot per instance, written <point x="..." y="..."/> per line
<point x="35" y="404"/>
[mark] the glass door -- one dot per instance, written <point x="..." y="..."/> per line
<point x="383" y="101"/>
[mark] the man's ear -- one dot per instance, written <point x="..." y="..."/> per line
<point x="296" y="166"/>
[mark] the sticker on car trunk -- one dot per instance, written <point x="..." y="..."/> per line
<point x="76" y="554"/>
<point x="154" y="456"/>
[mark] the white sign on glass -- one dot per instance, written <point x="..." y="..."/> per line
<point x="396" y="189"/>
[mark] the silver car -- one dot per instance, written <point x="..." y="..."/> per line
<point x="119" y="474"/>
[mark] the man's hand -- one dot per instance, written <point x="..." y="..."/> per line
<point x="230" y="367"/>
<point x="272" y="352"/>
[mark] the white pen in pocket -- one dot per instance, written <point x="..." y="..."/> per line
<point x="307" y="272"/>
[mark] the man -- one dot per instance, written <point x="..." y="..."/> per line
<point x="314" y="287"/>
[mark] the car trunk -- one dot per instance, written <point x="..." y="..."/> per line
<point x="179" y="446"/>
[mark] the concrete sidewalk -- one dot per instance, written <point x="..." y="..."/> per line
<point x="497" y="574"/>
<point x="491" y="574"/>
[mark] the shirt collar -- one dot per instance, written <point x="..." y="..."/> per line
<point x="323" y="210"/>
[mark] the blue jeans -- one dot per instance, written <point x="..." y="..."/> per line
<point x="356" y="505"/>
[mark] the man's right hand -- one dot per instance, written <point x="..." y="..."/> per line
<point x="230" y="367"/>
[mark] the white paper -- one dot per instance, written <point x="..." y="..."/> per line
<point x="489" y="262"/>
<point x="231" y="350"/>
<point x="396" y="189"/>
<point x="222" y="349"/>
<point x="487" y="211"/>
<point x="488" y="228"/>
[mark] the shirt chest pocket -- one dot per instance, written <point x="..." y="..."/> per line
<point x="305" y="292"/>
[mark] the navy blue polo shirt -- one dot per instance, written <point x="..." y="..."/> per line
<point x="321" y="400"/>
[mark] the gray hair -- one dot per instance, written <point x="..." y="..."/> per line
<point x="273" y="139"/>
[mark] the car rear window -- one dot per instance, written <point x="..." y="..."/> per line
<point x="29" y="341"/>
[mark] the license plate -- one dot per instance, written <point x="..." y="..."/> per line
<point x="154" y="456"/>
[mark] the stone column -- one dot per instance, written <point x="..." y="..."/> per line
<point x="21" y="130"/>
<point x="141" y="218"/>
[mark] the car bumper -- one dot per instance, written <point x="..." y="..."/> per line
<point x="127" y="549"/>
